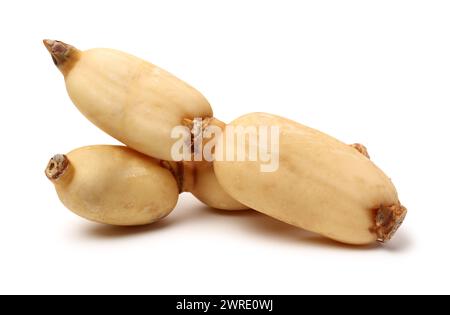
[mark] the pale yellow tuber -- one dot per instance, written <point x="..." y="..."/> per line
<point x="113" y="185"/>
<point x="322" y="185"/>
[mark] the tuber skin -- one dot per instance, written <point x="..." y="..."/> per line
<point x="201" y="181"/>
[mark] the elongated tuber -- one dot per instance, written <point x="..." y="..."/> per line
<point x="321" y="185"/>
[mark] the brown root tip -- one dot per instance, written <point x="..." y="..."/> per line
<point x="61" y="52"/>
<point x="56" y="167"/>
<point x="388" y="220"/>
<point x="361" y="148"/>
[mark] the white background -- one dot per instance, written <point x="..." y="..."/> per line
<point x="375" y="72"/>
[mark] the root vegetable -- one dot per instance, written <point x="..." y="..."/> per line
<point x="113" y="185"/>
<point x="132" y="100"/>
<point x="322" y="185"/>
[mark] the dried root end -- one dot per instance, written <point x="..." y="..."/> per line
<point x="196" y="126"/>
<point x="56" y="167"/>
<point x="361" y="148"/>
<point x="197" y="123"/>
<point x="388" y="220"/>
<point x="63" y="55"/>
